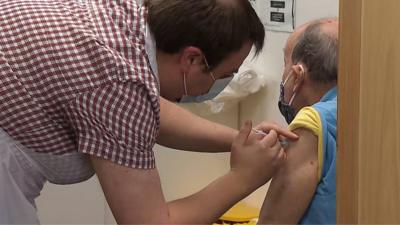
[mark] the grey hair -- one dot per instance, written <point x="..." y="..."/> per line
<point x="318" y="51"/>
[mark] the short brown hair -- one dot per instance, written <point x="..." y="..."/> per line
<point x="217" y="27"/>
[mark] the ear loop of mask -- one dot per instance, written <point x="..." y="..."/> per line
<point x="208" y="68"/>
<point x="292" y="99"/>
<point x="287" y="79"/>
<point x="283" y="85"/>
<point x="184" y="84"/>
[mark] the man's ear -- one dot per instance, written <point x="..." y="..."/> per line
<point x="299" y="74"/>
<point x="190" y="56"/>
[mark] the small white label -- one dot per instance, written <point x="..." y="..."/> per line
<point x="278" y="15"/>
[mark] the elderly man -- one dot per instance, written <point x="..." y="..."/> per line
<point x="304" y="189"/>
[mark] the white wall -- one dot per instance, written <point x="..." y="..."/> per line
<point x="184" y="173"/>
<point x="82" y="203"/>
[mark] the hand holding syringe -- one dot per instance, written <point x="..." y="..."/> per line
<point x="284" y="143"/>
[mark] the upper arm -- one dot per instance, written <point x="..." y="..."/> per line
<point x="134" y="195"/>
<point x="116" y="124"/>
<point x="294" y="185"/>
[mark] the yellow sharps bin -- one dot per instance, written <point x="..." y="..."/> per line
<point x="242" y="214"/>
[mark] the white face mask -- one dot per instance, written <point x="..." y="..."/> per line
<point x="218" y="86"/>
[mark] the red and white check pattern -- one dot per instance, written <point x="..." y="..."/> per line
<point x="75" y="76"/>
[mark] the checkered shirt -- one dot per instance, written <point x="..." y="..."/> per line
<point x="75" y="76"/>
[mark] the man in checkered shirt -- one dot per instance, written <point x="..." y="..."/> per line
<point x="94" y="80"/>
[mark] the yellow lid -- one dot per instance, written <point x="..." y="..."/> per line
<point x="241" y="212"/>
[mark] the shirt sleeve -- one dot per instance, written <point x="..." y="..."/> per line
<point x="117" y="122"/>
<point x="308" y="118"/>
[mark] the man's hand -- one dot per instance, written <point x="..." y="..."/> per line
<point x="256" y="160"/>
<point x="283" y="133"/>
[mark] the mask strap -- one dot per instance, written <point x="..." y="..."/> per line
<point x="291" y="99"/>
<point x="208" y="67"/>
<point x="302" y="68"/>
<point x="184" y="83"/>
<point x="212" y="76"/>
<point x="287" y="78"/>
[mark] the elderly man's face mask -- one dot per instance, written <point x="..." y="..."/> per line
<point x="286" y="109"/>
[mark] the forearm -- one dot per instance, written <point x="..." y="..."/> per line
<point x="135" y="195"/>
<point x="181" y="129"/>
<point x="206" y="206"/>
